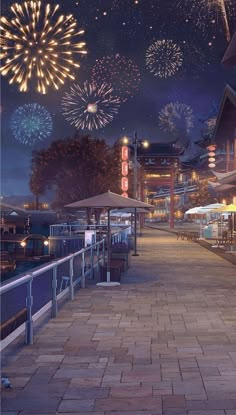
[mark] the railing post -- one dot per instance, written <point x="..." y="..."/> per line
<point x="71" y="279"/>
<point x="54" y="292"/>
<point x="91" y="262"/>
<point x="103" y="251"/>
<point x="83" y="267"/>
<point x="98" y="252"/>
<point x="29" y="331"/>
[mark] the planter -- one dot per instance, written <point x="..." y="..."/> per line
<point x="115" y="272"/>
<point x="122" y="256"/>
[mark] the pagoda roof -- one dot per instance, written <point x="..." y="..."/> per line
<point x="225" y="128"/>
<point x="160" y="150"/>
<point x="229" y="58"/>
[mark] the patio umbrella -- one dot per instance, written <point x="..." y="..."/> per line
<point x="109" y="200"/>
<point x="193" y="211"/>
<point x="231" y="208"/>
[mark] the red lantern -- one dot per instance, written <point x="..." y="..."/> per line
<point x="125" y="168"/>
<point x="124" y="184"/>
<point x="124" y="194"/>
<point x="125" y="153"/>
<point x="211" y="156"/>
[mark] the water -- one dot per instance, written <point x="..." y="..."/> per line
<point x="21" y="267"/>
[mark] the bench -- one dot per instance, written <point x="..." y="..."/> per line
<point x="8" y="326"/>
<point x="189" y="235"/>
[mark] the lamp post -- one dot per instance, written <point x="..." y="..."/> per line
<point x="134" y="143"/>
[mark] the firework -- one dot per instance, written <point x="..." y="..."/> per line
<point x="175" y="117"/>
<point x="120" y="72"/>
<point x="90" y="106"/>
<point x="39" y="46"/>
<point x="205" y="12"/>
<point x="31" y="123"/>
<point x="164" y="58"/>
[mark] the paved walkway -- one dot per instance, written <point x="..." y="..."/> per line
<point x="164" y="342"/>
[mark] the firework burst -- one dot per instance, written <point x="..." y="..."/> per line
<point x="175" y="117"/>
<point x="120" y="72"/>
<point x="205" y="12"/>
<point x="39" y="46"/>
<point x="31" y="123"/>
<point x="90" y="106"/>
<point x="164" y="58"/>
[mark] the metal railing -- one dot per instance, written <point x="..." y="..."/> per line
<point x="41" y="289"/>
<point x="63" y="229"/>
<point x="121" y="236"/>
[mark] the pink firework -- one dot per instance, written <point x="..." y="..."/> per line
<point x="120" y="72"/>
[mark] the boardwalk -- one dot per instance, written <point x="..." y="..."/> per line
<point x="164" y="342"/>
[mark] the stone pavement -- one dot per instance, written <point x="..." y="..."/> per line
<point x="164" y="342"/>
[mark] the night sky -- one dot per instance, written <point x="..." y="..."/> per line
<point x="128" y="28"/>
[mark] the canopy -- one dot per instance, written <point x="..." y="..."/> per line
<point x="193" y="211"/>
<point x="208" y="209"/>
<point x="110" y="200"/>
<point x="225" y="208"/>
<point x="203" y="210"/>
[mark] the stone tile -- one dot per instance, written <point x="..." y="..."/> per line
<point x="86" y="393"/>
<point x="30" y="404"/>
<point x="83" y="382"/>
<point x="129" y="404"/>
<point x="78" y="373"/>
<point x="130" y="392"/>
<point x="76" y="405"/>
<point x="173" y="401"/>
<point x="50" y="358"/>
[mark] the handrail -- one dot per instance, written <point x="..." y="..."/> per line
<point x="22" y="280"/>
<point x="95" y="250"/>
<point x="29" y="277"/>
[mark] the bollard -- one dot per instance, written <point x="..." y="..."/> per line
<point x="29" y="331"/>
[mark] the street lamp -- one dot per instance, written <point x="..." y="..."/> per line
<point x="134" y="143"/>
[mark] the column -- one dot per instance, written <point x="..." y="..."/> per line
<point x="172" y="196"/>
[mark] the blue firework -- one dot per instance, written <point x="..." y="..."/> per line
<point x="31" y="123"/>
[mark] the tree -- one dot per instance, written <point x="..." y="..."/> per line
<point x="76" y="168"/>
<point x="202" y="195"/>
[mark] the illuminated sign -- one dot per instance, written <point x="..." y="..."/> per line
<point x="124" y="184"/>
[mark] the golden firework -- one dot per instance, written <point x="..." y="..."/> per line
<point x="38" y="46"/>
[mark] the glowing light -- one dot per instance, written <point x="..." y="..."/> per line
<point x="120" y="72"/>
<point x="90" y="106"/>
<point x="31" y="123"/>
<point x="175" y="117"/>
<point x="39" y="48"/>
<point x="164" y="58"/>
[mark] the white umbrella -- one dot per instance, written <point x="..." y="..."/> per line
<point x="193" y="211"/>
<point x="110" y="200"/>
